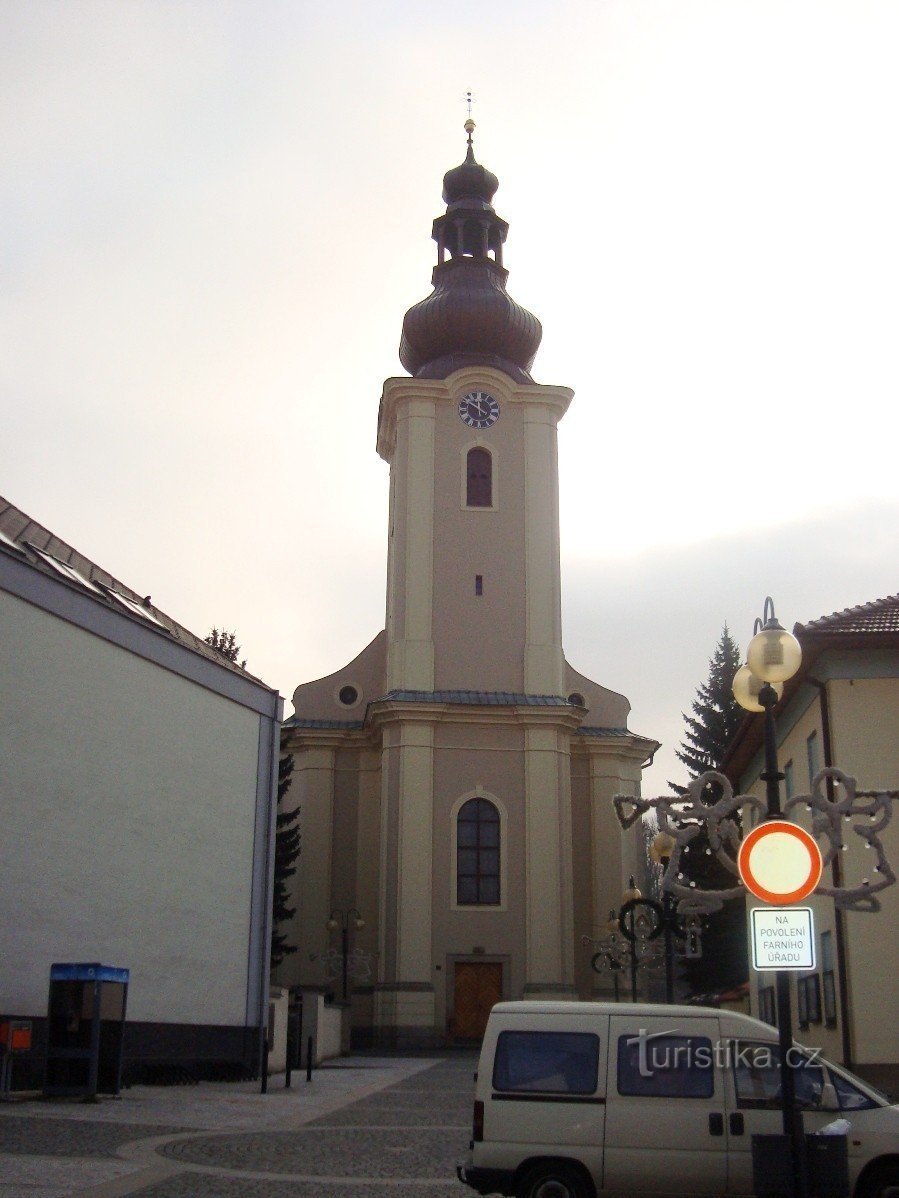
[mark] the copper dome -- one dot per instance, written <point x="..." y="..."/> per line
<point x="469" y="318"/>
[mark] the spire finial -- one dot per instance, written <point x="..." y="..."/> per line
<point x="469" y="124"/>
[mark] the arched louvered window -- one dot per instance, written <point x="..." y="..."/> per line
<point x="477" y="854"/>
<point x="479" y="487"/>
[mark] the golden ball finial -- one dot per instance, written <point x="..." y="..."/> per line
<point x="469" y="126"/>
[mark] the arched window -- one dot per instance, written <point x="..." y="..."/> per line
<point x="479" y="486"/>
<point x="477" y="854"/>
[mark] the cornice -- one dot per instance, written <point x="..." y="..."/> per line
<point x="294" y="737"/>
<point x="631" y="746"/>
<point x="395" y="711"/>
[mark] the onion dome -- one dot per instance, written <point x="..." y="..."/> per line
<point x="470" y="181"/>
<point x="469" y="318"/>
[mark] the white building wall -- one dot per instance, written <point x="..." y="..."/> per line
<point x="127" y="801"/>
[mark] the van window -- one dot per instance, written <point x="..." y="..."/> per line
<point x="546" y="1062"/>
<point x="757" y="1077"/>
<point x="849" y="1096"/>
<point x="665" y="1066"/>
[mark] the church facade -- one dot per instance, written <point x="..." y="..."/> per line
<point x="456" y="779"/>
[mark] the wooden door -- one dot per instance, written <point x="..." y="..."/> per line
<point x="478" y="985"/>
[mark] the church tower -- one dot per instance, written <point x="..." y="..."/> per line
<point x="455" y="780"/>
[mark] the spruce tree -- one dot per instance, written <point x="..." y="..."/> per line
<point x="716" y="713"/>
<point x="225" y="643"/>
<point x="287" y="832"/>
<point x="716" y="717"/>
<point x="287" y="849"/>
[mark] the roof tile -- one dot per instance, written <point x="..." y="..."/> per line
<point x="879" y="616"/>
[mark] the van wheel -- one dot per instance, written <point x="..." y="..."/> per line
<point x="554" y="1179"/>
<point x="880" y="1182"/>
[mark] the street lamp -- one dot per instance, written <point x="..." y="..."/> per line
<point x="618" y="948"/>
<point x="773" y="657"/>
<point x="661" y="847"/>
<point x="341" y="919"/>
<point x="631" y="930"/>
<point x="627" y="921"/>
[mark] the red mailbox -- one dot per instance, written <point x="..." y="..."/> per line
<point x="15" y="1035"/>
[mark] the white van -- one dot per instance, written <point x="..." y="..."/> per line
<point x="576" y="1099"/>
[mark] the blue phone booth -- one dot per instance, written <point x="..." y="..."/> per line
<point x="85" y="1029"/>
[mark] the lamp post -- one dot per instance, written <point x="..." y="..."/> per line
<point x="773" y="657"/>
<point x="631" y="930"/>
<point x="660" y="849"/>
<point x="627" y="921"/>
<point x="341" y="919"/>
<point x="610" y="951"/>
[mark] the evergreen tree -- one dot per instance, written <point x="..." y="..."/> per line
<point x="716" y="714"/>
<point x="287" y="849"/>
<point x="287" y="832"/>
<point x="716" y="717"/>
<point x="226" y="644"/>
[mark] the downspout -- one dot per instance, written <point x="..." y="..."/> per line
<point x="269" y="874"/>
<point x="837" y="875"/>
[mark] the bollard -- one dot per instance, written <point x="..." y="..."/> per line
<point x="264" y="1089"/>
<point x="287" y="1074"/>
<point x="309" y="1059"/>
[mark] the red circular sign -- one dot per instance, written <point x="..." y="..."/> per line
<point x="779" y="862"/>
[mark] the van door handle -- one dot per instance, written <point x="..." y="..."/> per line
<point x="736" y="1123"/>
<point x="716" y="1124"/>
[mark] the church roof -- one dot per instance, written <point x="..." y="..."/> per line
<point x="468" y="698"/>
<point x="44" y="551"/>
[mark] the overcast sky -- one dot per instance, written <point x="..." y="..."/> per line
<point x="215" y="215"/>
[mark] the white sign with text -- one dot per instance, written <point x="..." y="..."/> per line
<point x="783" y="938"/>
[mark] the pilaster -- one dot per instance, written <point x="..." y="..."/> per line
<point x="544" y="666"/>
<point x="550" y="927"/>
<point x="314" y="780"/>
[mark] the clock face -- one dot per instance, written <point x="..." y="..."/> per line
<point x="478" y="409"/>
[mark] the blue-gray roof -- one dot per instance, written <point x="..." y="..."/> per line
<point x="301" y="722"/>
<point x="479" y="698"/>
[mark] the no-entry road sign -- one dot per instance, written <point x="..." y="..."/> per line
<point x="779" y="862"/>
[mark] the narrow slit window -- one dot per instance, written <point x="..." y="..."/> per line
<point x="479" y="478"/>
<point x="479" y="584"/>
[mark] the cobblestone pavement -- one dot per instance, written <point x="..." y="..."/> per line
<point x="363" y="1129"/>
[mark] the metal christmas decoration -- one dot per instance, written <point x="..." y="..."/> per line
<point x="682" y="817"/>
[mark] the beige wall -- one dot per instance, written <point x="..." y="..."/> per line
<point x="864" y="716"/>
<point x="441" y="635"/>
<point x="471" y="760"/>
<point x="129" y="796"/>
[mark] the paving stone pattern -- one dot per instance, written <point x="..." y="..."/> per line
<point x="204" y="1185"/>
<point x="421" y="1128"/>
<point x="71" y="1137"/>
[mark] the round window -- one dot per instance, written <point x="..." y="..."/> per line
<point x="348" y="695"/>
<point x="576" y="700"/>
